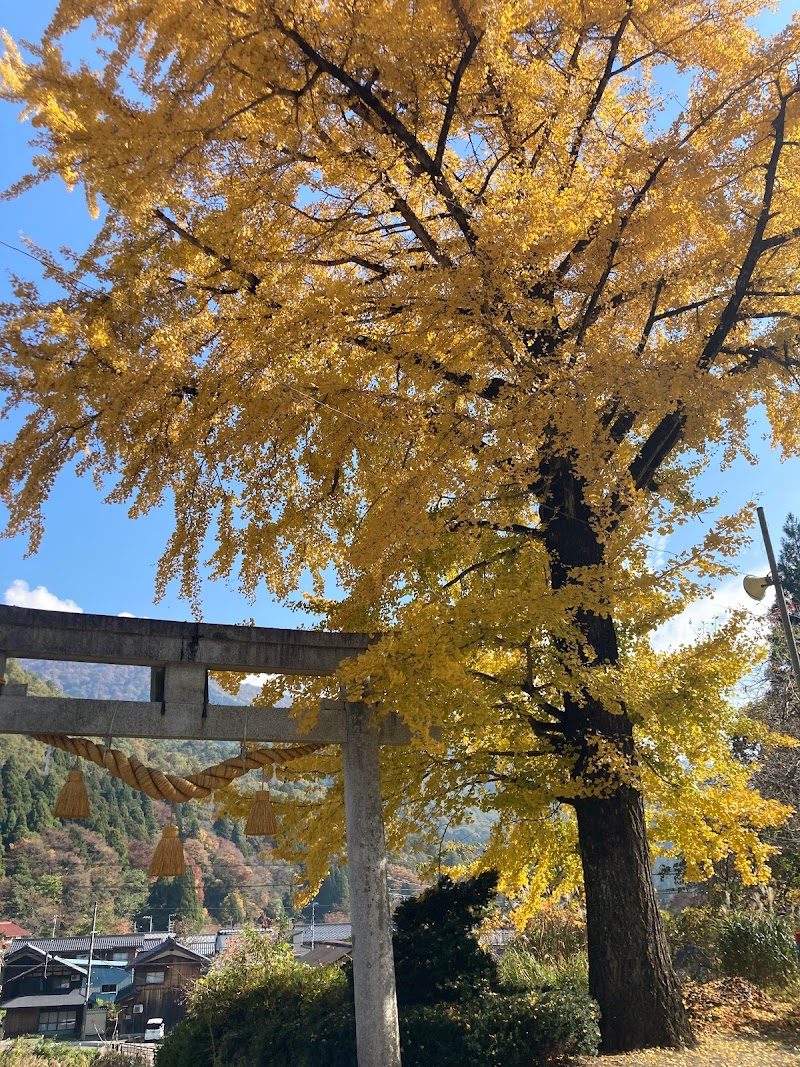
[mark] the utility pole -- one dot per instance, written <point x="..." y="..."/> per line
<point x="89" y="974"/>
<point x="756" y="587"/>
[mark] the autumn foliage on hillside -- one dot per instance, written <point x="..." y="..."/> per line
<point x="53" y="871"/>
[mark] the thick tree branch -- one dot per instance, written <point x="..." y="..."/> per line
<point x="252" y="280"/>
<point x="390" y="123"/>
<point x="657" y="447"/>
<point x="473" y="40"/>
<point x="415" y="224"/>
<point x="668" y="433"/>
<point x="602" y="85"/>
<point x="620" y="419"/>
<point x="757" y="245"/>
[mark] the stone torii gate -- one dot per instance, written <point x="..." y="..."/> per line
<point x="180" y="655"/>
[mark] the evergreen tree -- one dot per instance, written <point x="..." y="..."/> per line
<point x="189" y="909"/>
<point x="238" y="837"/>
<point x="191" y="823"/>
<point x="789" y="558"/>
<point x="223" y="828"/>
<point x="4" y="813"/>
<point x="175" y="897"/>
<point x="150" y="821"/>
<point x="22" y="888"/>
<point x="162" y="902"/>
<point x="334" y="893"/>
<point x="436" y="953"/>
<point x="17" y="798"/>
<point x="779" y="709"/>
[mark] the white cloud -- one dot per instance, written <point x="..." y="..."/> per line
<point x="125" y="615"/>
<point x="705" y="615"/>
<point x="257" y="679"/>
<point x="657" y="551"/>
<point x="20" y="595"/>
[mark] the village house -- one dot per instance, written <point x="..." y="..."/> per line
<point x="44" y="982"/>
<point x="161" y="977"/>
<point x="42" y="993"/>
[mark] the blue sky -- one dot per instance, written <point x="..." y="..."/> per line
<point x="94" y="556"/>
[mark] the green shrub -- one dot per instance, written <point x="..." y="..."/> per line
<point x="262" y="1009"/>
<point x="539" y="1029"/>
<point x="33" y="1052"/>
<point x="189" y="1044"/>
<point x="693" y="936"/>
<point x="524" y="1030"/>
<point x="442" y="1035"/>
<point x="758" y="947"/>
<point x="437" y="957"/>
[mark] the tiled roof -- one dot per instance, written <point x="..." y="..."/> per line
<point x="326" y="955"/>
<point x="203" y="944"/>
<point x="51" y="957"/>
<point x="170" y="946"/>
<point x="9" y="929"/>
<point x="102" y="943"/>
<point x="73" y="999"/>
<point x="323" y="933"/>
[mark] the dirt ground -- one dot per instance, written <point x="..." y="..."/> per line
<point x="736" y="1024"/>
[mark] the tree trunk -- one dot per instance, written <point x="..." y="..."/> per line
<point x="630" y="970"/>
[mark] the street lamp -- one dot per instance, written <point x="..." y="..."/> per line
<point x="757" y="587"/>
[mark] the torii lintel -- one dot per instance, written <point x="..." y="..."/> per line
<point x="179" y="655"/>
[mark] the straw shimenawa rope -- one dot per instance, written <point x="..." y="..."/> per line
<point x="172" y="787"/>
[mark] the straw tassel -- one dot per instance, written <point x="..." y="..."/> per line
<point x="261" y="821"/>
<point x="73" y="800"/>
<point x="168" y="859"/>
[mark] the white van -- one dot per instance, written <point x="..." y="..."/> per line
<point x="154" y="1030"/>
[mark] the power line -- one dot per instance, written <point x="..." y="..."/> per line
<point x="49" y="265"/>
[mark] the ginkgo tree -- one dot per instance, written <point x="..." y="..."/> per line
<point x="451" y="299"/>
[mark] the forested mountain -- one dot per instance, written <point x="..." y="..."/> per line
<point x="112" y="681"/>
<point x="52" y="871"/>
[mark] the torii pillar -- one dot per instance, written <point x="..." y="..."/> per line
<point x="180" y="655"/>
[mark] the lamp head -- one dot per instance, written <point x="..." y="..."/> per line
<point x="757" y="587"/>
